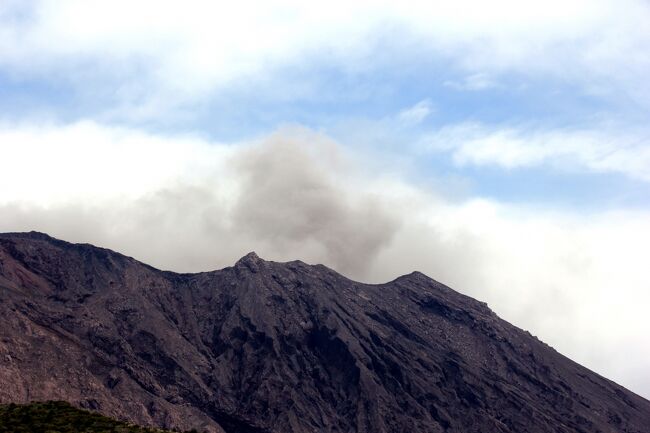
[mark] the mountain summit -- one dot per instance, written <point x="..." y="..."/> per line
<point x="267" y="347"/>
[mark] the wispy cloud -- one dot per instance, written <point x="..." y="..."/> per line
<point x="614" y="151"/>
<point x="416" y="114"/>
<point x="474" y="82"/>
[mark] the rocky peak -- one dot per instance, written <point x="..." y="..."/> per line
<point x="251" y="261"/>
<point x="251" y="257"/>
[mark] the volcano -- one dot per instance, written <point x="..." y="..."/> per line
<point x="269" y="347"/>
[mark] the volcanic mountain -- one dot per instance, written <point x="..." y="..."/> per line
<point x="267" y="347"/>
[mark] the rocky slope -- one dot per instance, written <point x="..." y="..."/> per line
<point x="265" y="347"/>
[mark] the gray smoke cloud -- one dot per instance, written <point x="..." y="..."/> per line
<point x="287" y="201"/>
<point x="291" y="199"/>
<point x="298" y="195"/>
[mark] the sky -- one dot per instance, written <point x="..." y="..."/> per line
<point x="502" y="148"/>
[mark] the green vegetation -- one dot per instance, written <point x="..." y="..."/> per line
<point x="60" y="417"/>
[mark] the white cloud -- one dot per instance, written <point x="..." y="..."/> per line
<point x="474" y="82"/>
<point x="186" y="51"/>
<point x="49" y="164"/>
<point x="613" y="151"/>
<point x="578" y="281"/>
<point x="415" y="114"/>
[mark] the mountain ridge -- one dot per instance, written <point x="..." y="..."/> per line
<point x="266" y="346"/>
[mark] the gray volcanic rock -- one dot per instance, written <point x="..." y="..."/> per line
<point x="281" y="347"/>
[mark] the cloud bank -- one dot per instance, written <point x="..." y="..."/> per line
<point x="190" y="51"/>
<point x="187" y="204"/>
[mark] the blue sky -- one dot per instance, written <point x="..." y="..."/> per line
<point x="501" y="147"/>
<point x="544" y="70"/>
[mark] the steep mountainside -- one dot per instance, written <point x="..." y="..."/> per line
<point x="265" y="347"/>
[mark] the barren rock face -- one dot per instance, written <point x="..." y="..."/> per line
<point x="281" y="347"/>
